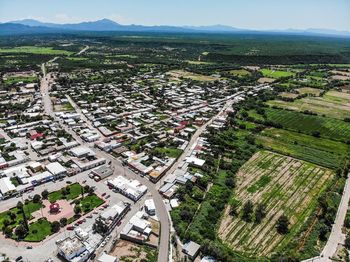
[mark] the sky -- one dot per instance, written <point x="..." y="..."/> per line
<point x="248" y="14"/>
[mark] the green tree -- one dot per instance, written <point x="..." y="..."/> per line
<point x="260" y="213"/>
<point x="282" y="225"/>
<point x="55" y="226"/>
<point x="45" y="194"/>
<point x="247" y="211"/>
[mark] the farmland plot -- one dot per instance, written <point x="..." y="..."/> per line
<point x="323" y="152"/>
<point x="332" y="104"/>
<point x="328" y="127"/>
<point x="285" y="186"/>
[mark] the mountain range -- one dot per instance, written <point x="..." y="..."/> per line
<point x="31" y="26"/>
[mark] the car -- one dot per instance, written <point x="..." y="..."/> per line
<point x="80" y="222"/>
<point x="89" y="216"/>
<point x="108" y="196"/>
<point x="92" y="257"/>
<point x="105" y="206"/>
<point x="29" y="247"/>
<point x="84" y="181"/>
<point x="103" y="243"/>
<point x="19" y="258"/>
<point x="95" y="212"/>
<point x="110" y="187"/>
<point x="104" y="194"/>
<point x="115" y="190"/>
<point x="119" y="223"/>
<point x="69" y="182"/>
<point x="70" y="228"/>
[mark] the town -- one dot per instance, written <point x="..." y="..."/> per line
<point x="169" y="147"/>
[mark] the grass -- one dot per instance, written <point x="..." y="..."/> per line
<point x="332" y="104"/>
<point x="16" y="79"/>
<point x="35" y="50"/>
<point x="276" y="73"/>
<point x="90" y="202"/>
<point x="169" y="152"/>
<point x="189" y="75"/>
<point x="240" y="72"/>
<point x="320" y="151"/>
<point x="75" y="191"/>
<point x="309" y="90"/>
<point x="38" y="231"/>
<point x="28" y="210"/>
<point x="286" y="185"/>
<point x="330" y="128"/>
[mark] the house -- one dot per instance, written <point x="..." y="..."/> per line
<point x="191" y="249"/>
<point x="107" y="258"/>
<point x="150" y="207"/>
<point x="56" y="169"/>
<point x="6" y="186"/>
<point x="72" y="249"/>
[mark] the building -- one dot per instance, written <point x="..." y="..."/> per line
<point x="72" y="249"/>
<point x="102" y="172"/>
<point x="6" y="187"/>
<point x="150" y="207"/>
<point x="81" y="151"/>
<point x="107" y="258"/>
<point x="56" y="169"/>
<point x="132" y="189"/>
<point x="191" y="249"/>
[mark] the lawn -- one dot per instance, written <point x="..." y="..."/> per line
<point x="88" y="203"/>
<point x="285" y="186"/>
<point x="320" y="151"/>
<point x="276" y="73"/>
<point x="332" y="104"/>
<point x="169" y="152"/>
<point x="330" y="128"/>
<point x="74" y="192"/>
<point x="35" y="50"/>
<point x="38" y="230"/>
<point x="28" y="209"/>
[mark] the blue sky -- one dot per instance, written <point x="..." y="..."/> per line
<point x="251" y="14"/>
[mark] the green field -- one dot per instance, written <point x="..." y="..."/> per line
<point x="35" y="50"/>
<point x="240" y="72"/>
<point x="16" y="79"/>
<point x="28" y="210"/>
<point x="330" y="128"/>
<point x="323" y="152"/>
<point x="38" y="231"/>
<point x="169" y="152"/>
<point x="74" y="192"/>
<point x="88" y="203"/>
<point x="276" y="73"/>
<point x="292" y="188"/>
<point x="333" y="104"/>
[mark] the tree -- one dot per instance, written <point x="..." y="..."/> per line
<point x="347" y="242"/>
<point x="55" y="226"/>
<point x="77" y="210"/>
<point x="7" y="231"/>
<point x="282" y="225"/>
<point x="63" y="221"/>
<point x="260" y="213"/>
<point x="36" y="198"/>
<point x="45" y="194"/>
<point x="21" y="231"/>
<point x="247" y="211"/>
<point x="323" y="230"/>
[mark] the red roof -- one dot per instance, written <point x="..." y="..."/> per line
<point x="33" y="137"/>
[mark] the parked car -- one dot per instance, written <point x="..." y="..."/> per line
<point x="108" y="196"/>
<point x="104" y="194"/>
<point x="19" y="258"/>
<point x="69" y="182"/>
<point x="70" y="228"/>
<point x="29" y="247"/>
<point x="89" y="216"/>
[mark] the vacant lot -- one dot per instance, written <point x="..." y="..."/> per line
<point x="309" y="90"/>
<point x="240" y="72"/>
<point x="276" y="73"/>
<point x="324" y="152"/>
<point x="285" y="186"/>
<point x="333" y="104"/>
<point x="331" y="128"/>
<point x="197" y="77"/>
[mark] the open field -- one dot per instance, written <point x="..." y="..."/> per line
<point x="25" y="79"/>
<point x="309" y="90"/>
<point x="74" y="191"/>
<point x="276" y="73"/>
<point x="189" y="75"/>
<point x="331" y="128"/>
<point x="35" y="50"/>
<point x="333" y="104"/>
<point x="240" y="72"/>
<point x="323" y="152"/>
<point x="285" y="186"/>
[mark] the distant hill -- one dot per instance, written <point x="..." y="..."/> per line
<point x="31" y="26"/>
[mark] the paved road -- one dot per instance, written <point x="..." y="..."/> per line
<point x="336" y="237"/>
<point x="162" y="213"/>
<point x="83" y="50"/>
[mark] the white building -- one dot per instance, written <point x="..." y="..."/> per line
<point x="150" y="207"/>
<point x="132" y="189"/>
<point x="6" y="186"/>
